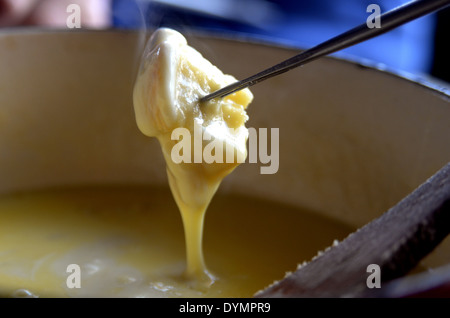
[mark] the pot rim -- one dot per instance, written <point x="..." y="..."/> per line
<point x="434" y="84"/>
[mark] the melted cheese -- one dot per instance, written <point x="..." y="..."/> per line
<point x="128" y="242"/>
<point x="172" y="78"/>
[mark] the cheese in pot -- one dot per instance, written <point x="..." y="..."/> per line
<point x="172" y="79"/>
<point x="128" y="242"/>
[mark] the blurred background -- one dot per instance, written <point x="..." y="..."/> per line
<point x="419" y="47"/>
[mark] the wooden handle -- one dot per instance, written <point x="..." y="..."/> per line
<point x="396" y="242"/>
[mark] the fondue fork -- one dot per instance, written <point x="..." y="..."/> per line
<point x="363" y="32"/>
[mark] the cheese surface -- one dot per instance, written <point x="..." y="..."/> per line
<point x="172" y="78"/>
<point x="128" y="241"/>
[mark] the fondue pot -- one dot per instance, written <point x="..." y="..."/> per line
<point x="353" y="139"/>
